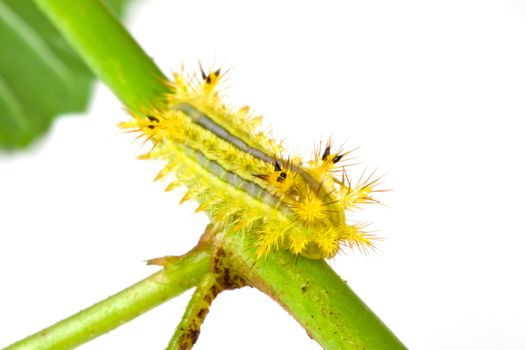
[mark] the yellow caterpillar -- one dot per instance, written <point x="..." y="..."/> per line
<point x="241" y="179"/>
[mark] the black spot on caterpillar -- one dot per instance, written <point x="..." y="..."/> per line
<point x="337" y="158"/>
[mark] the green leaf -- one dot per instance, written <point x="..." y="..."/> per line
<point x="41" y="76"/>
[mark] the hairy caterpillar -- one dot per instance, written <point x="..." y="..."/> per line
<point x="239" y="176"/>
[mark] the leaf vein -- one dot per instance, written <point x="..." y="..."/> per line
<point x="14" y="104"/>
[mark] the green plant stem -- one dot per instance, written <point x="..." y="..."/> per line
<point x="122" y="307"/>
<point x="188" y="329"/>
<point x="314" y="294"/>
<point x="109" y="50"/>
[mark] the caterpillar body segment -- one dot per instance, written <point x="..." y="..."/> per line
<point x="239" y="176"/>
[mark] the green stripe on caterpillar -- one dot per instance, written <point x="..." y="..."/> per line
<point x="239" y="176"/>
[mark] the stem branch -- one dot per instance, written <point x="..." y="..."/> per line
<point x="313" y="294"/>
<point x="188" y="329"/>
<point x="121" y="307"/>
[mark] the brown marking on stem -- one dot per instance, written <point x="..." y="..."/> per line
<point x="225" y="278"/>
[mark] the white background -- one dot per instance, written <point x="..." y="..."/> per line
<point x="432" y="91"/>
